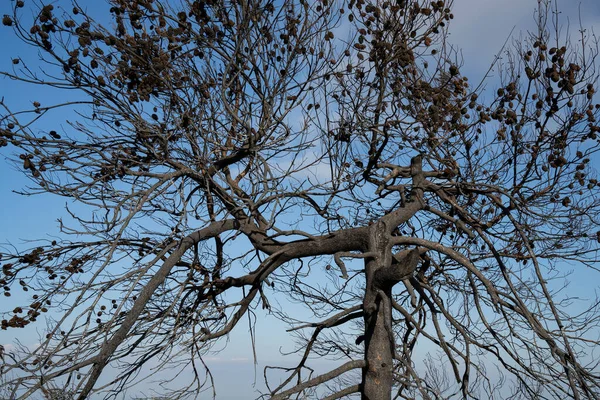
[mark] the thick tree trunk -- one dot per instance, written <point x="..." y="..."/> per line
<point x="377" y="374"/>
<point x="382" y="273"/>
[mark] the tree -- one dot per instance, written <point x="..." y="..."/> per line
<point x="218" y="155"/>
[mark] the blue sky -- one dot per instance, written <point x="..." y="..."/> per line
<point x="480" y="28"/>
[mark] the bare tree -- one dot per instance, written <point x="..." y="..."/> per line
<point x="217" y="155"/>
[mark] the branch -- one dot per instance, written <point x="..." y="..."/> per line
<point x="110" y="346"/>
<point x="405" y="263"/>
<point x="331" y="321"/>
<point x="456" y="256"/>
<point x="338" y="260"/>
<point x="456" y="221"/>
<point x="321" y="378"/>
<point x="415" y="204"/>
<point x="342" y="393"/>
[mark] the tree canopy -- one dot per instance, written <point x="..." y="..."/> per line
<point x="218" y="156"/>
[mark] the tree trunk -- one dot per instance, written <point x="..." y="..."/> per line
<point x="377" y="374"/>
<point x="382" y="273"/>
<point x="377" y="377"/>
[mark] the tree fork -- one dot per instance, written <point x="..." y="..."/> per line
<point x="382" y="273"/>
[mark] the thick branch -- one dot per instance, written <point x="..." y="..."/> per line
<point x="341" y="241"/>
<point x="403" y="214"/>
<point x="404" y="265"/>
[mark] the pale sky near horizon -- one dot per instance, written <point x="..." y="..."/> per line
<point x="480" y="28"/>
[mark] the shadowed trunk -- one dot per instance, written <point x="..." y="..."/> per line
<point x="382" y="273"/>
<point x="377" y="374"/>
